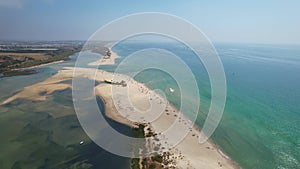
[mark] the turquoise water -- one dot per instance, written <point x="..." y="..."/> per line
<point x="260" y="125"/>
<point x="259" y="129"/>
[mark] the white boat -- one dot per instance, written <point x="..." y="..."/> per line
<point x="171" y="90"/>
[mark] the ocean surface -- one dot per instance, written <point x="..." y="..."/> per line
<point x="259" y="128"/>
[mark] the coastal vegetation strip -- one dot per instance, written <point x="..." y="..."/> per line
<point x="10" y="61"/>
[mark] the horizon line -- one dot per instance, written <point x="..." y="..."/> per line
<point x="139" y="40"/>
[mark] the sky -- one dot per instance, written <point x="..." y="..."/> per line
<point x="255" y="21"/>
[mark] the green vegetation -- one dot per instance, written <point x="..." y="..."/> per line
<point x="154" y="162"/>
<point x="139" y="131"/>
<point x="157" y="158"/>
<point x="135" y="163"/>
<point x="14" y="59"/>
<point x="17" y="73"/>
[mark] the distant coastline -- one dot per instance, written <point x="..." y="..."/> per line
<point x="26" y="70"/>
<point x="24" y="55"/>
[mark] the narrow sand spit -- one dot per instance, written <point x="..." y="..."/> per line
<point x="106" y="61"/>
<point x="126" y="107"/>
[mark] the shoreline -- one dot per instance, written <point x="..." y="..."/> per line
<point x="188" y="153"/>
<point x="106" y="61"/>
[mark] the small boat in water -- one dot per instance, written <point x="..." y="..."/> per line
<point x="171" y="90"/>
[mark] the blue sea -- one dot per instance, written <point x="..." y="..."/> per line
<point x="259" y="127"/>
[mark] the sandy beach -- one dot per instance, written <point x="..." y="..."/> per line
<point x="131" y="105"/>
<point x="106" y="60"/>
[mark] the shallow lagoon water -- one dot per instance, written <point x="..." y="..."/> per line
<point x="47" y="134"/>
